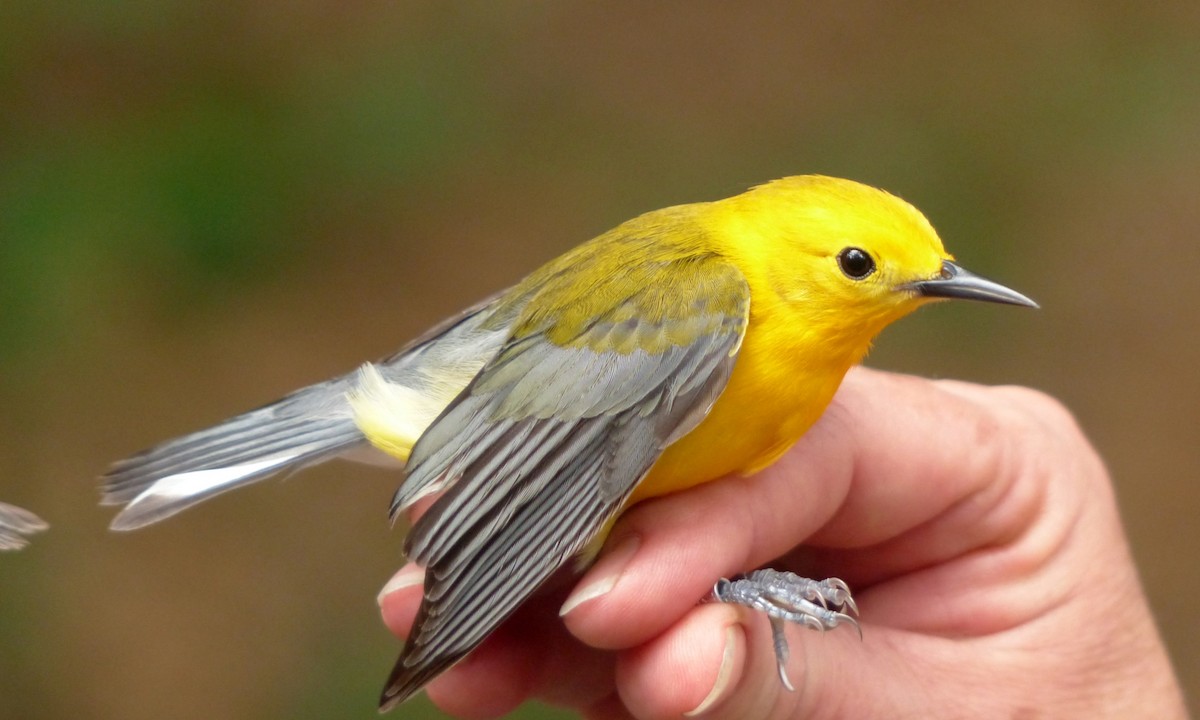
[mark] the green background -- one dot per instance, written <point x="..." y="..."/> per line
<point x="204" y="206"/>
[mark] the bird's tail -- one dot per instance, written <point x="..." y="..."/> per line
<point x="394" y="400"/>
<point x="309" y="426"/>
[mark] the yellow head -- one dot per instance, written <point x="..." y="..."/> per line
<point x="843" y="258"/>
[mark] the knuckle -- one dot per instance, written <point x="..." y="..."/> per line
<point x="1045" y="434"/>
<point x="1040" y="412"/>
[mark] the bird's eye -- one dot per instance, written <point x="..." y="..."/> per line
<point x="856" y="263"/>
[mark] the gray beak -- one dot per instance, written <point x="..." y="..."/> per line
<point x="959" y="284"/>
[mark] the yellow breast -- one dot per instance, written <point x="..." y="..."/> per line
<point x="778" y="389"/>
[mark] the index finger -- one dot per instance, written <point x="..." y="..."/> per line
<point x="891" y="453"/>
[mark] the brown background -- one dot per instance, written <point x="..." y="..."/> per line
<point x="202" y="208"/>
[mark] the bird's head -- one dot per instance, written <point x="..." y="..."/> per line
<point x="847" y="257"/>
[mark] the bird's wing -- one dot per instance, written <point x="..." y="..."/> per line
<point x="15" y="524"/>
<point x="551" y="437"/>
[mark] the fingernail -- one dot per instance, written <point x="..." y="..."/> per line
<point x="606" y="572"/>
<point x="724" y="674"/>
<point x="407" y="576"/>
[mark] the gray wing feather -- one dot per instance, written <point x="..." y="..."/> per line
<point x="480" y="588"/>
<point x="536" y="455"/>
<point x="644" y="387"/>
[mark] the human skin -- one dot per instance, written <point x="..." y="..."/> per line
<point x="976" y="525"/>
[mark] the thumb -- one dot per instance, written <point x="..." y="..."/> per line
<point x="719" y="662"/>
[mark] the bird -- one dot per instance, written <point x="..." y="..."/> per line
<point x="682" y="346"/>
<point x="16" y="524"/>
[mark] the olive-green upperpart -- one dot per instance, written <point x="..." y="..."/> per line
<point x="674" y="289"/>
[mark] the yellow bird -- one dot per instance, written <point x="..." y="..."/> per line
<point x="683" y="345"/>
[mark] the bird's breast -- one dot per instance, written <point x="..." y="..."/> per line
<point x="771" y="399"/>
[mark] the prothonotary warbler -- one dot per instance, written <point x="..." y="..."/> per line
<point x="684" y="345"/>
<point x="16" y="524"/>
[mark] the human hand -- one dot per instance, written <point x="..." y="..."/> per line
<point x="976" y="526"/>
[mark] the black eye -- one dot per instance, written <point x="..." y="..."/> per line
<point x="856" y="263"/>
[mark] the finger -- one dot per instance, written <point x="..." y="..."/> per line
<point x="691" y="670"/>
<point x="916" y="448"/>
<point x="400" y="598"/>
<point x="890" y="455"/>
<point x="981" y="565"/>
<point x="609" y="708"/>
<point x="530" y="655"/>
<point x="488" y="683"/>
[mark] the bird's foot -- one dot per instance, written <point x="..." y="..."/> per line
<point x="784" y="596"/>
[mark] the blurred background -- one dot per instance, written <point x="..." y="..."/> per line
<point x="203" y="207"/>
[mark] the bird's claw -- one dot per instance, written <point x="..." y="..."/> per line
<point x="783" y="596"/>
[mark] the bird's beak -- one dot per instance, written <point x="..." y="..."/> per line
<point x="957" y="283"/>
